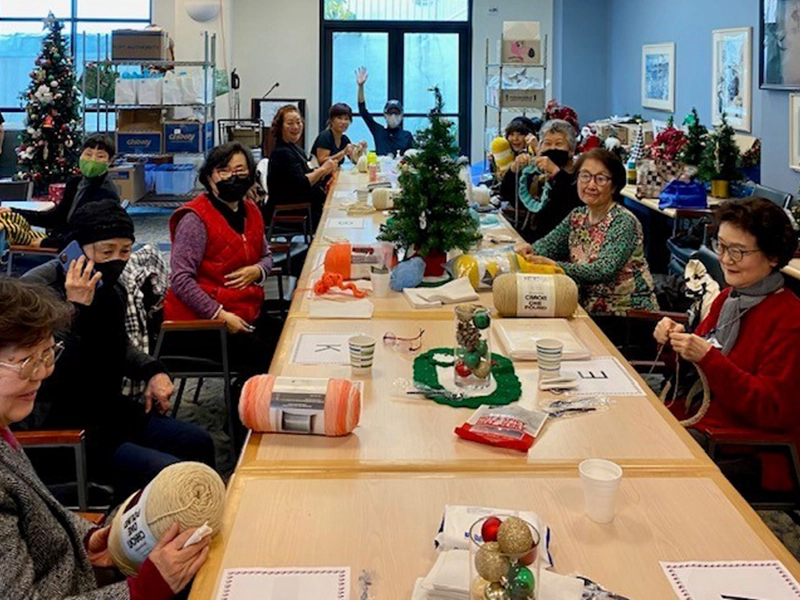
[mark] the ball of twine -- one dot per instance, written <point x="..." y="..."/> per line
<point x="342" y="405"/>
<point x="505" y="294"/>
<point x="187" y="493"/>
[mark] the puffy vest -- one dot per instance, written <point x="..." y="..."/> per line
<point x="226" y="251"/>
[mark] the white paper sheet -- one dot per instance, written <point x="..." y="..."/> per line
<point x="324" y="583"/>
<point x="759" y="580"/>
<point x="602" y="376"/>
<point x="346" y="223"/>
<point x="519" y="336"/>
<point x="322" y="349"/>
<point x="335" y="309"/>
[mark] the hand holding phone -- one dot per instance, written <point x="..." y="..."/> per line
<point x="81" y="281"/>
<point x="71" y="254"/>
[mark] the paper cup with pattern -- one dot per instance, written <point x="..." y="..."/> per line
<point x="362" y="352"/>
<point x="548" y="356"/>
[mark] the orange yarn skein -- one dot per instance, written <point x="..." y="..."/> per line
<point x="332" y="280"/>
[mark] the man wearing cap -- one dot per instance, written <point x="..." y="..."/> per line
<point x="392" y="139"/>
<point x="128" y="442"/>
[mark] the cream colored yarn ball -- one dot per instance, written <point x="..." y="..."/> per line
<point x="361" y="165"/>
<point x="505" y="292"/>
<point x="383" y="198"/>
<point x="187" y="493"/>
<point x="481" y="195"/>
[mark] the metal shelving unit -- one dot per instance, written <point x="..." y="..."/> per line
<point x="491" y="68"/>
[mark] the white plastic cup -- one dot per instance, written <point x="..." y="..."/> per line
<point x="362" y="196"/>
<point x="548" y="357"/>
<point x="362" y="353"/>
<point x="600" y="479"/>
<point x="380" y="283"/>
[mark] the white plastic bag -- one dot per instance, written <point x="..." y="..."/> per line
<point x="171" y="89"/>
<point x="151" y="90"/>
<point x="191" y="85"/>
<point x="125" y="91"/>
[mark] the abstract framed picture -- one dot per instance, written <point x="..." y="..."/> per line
<point x="794" y="131"/>
<point x="779" y="52"/>
<point x="658" y="76"/>
<point x="730" y="77"/>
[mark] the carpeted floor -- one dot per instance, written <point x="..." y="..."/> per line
<point x="209" y="412"/>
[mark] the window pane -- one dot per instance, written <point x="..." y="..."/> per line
<point x="104" y="9"/>
<point x="431" y="59"/>
<point x="36" y="9"/>
<point x="414" y="124"/>
<point x="20" y="44"/>
<point x="397" y="10"/>
<point x="358" y="132"/>
<point x="351" y="51"/>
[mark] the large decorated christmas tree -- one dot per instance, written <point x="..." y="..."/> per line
<point x="431" y="216"/>
<point x="49" y="143"/>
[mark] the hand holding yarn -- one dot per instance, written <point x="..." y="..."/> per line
<point x="97" y="548"/>
<point x="176" y="564"/>
<point x="689" y="346"/>
<point x="546" y="165"/>
<point x="665" y="328"/>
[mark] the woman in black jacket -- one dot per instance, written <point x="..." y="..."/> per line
<point x="289" y="178"/>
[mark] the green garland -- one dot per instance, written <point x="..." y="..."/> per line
<point x="509" y="388"/>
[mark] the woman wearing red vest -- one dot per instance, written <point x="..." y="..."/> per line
<point x="220" y="257"/>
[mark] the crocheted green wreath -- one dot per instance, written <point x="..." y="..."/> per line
<point x="508" y="387"/>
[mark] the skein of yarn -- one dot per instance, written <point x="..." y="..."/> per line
<point x="362" y="164"/>
<point x="481" y="195"/>
<point x="383" y="198"/>
<point x="318" y="406"/>
<point x="356" y="262"/>
<point x="502" y="153"/>
<point x="187" y="493"/>
<point x="524" y="295"/>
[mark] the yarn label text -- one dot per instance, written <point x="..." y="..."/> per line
<point x="536" y="296"/>
<point x="137" y="539"/>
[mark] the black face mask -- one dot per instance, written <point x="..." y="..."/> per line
<point x="233" y="189"/>
<point x="560" y="158"/>
<point x="110" y="270"/>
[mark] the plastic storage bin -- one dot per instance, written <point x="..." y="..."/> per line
<point x="174" y="180"/>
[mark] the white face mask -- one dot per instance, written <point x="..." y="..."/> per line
<point x="393" y="121"/>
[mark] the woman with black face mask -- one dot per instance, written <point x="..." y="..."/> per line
<point x="549" y="183"/>
<point x="220" y="258"/>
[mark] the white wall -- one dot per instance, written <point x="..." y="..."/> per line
<point x="279" y="41"/>
<point x="491" y="26"/>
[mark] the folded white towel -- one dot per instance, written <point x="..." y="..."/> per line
<point x="347" y="309"/>
<point x="453" y="292"/>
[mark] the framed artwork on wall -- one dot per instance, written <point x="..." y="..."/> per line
<point x="779" y="52"/>
<point x="658" y="76"/>
<point x="794" y="131"/>
<point x="730" y="77"/>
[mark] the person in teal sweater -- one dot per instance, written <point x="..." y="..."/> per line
<point x="600" y="245"/>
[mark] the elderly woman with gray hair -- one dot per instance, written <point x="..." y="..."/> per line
<point x="547" y="185"/>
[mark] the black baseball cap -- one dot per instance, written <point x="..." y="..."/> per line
<point x="393" y="106"/>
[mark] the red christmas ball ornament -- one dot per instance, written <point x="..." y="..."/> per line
<point x="489" y="529"/>
<point x="529" y="557"/>
<point x="48" y="122"/>
<point x="462" y="369"/>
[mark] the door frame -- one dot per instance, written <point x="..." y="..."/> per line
<point x="395" y="31"/>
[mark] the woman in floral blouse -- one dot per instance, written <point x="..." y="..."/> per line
<point x="599" y="245"/>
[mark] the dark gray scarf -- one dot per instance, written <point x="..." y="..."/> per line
<point x="739" y="302"/>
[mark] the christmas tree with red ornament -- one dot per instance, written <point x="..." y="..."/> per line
<point x="50" y="140"/>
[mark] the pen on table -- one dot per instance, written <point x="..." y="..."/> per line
<point x="729" y="597"/>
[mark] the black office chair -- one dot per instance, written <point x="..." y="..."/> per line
<point x="16" y="190"/>
<point x="780" y="198"/>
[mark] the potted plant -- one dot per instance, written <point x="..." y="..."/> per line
<point x="721" y="161"/>
<point x="431" y="215"/>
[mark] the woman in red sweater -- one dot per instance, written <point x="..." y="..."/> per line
<point x="748" y="346"/>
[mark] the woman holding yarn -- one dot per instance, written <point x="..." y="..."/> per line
<point x="220" y="258"/>
<point x="46" y="550"/>
<point x="600" y="245"/>
<point x="289" y="177"/>
<point x="547" y="184"/>
<point x="748" y="346"/>
<point x="333" y="143"/>
<point x="521" y="136"/>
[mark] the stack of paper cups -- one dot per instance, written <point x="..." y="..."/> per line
<point x="362" y="352"/>
<point x="548" y="355"/>
<point x="600" y="479"/>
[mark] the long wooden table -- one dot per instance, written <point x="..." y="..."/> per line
<point x="385" y="524"/>
<point x="373" y="500"/>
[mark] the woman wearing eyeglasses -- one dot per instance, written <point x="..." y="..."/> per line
<point x="220" y="256"/>
<point x="47" y="551"/>
<point x="748" y="346"/>
<point x="600" y="245"/>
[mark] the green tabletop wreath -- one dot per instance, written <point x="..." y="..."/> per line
<point x="507" y="391"/>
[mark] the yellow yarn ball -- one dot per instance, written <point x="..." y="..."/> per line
<point x="502" y="153"/>
<point x="466" y="266"/>
<point x="187" y="493"/>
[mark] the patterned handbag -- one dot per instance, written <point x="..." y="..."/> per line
<point x="653" y="175"/>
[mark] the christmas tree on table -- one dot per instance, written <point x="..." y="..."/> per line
<point x="48" y="151"/>
<point x="431" y="216"/>
<point x="692" y="152"/>
<point x="721" y="158"/>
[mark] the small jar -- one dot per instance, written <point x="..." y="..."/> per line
<point x="472" y="351"/>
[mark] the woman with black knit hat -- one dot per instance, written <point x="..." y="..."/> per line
<point x="128" y="443"/>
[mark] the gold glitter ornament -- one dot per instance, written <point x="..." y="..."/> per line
<point x="514" y="536"/>
<point x="479" y="585"/>
<point x="495" y="591"/>
<point x="490" y="564"/>
<point x="482" y="370"/>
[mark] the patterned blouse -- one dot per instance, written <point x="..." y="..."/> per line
<point x="606" y="260"/>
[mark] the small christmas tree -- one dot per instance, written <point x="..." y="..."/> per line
<point x="721" y="158"/>
<point x="48" y="149"/>
<point x="431" y="216"/>
<point x="692" y="152"/>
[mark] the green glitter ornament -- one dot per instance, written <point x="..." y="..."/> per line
<point x="481" y="320"/>
<point x="472" y="359"/>
<point x="521" y="583"/>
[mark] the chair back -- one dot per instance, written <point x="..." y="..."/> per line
<point x="16" y="190"/>
<point x="261" y="174"/>
<point x="778" y="197"/>
<point x="711" y="261"/>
